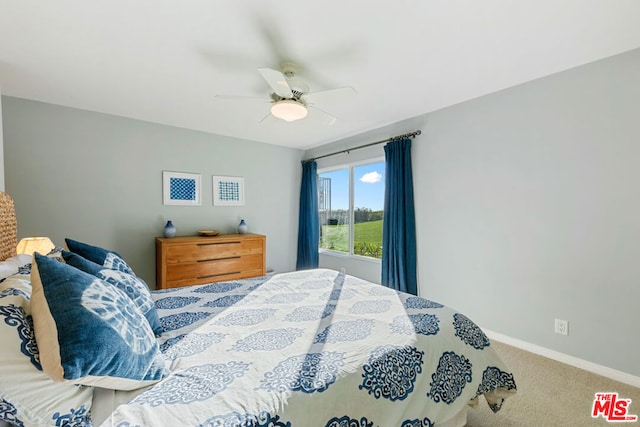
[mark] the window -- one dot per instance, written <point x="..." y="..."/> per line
<point x="349" y="195"/>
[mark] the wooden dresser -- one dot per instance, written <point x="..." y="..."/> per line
<point x="193" y="260"/>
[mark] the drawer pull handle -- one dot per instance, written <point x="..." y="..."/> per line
<point x="218" y="259"/>
<point x="218" y="243"/>
<point x="218" y="275"/>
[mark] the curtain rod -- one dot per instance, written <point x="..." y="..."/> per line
<point x="393" y="138"/>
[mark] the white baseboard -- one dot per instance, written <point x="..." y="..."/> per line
<point x="604" y="371"/>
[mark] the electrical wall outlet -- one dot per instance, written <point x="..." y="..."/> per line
<point x="562" y="327"/>
<point x="343" y="270"/>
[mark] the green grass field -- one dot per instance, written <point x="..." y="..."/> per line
<point x="367" y="238"/>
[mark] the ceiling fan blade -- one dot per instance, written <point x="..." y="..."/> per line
<point x="331" y="95"/>
<point x="264" y="118"/>
<point x="242" y="97"/>
<point x="328" y="119"/>
<point x="270" y="31"/>
<point x="268" y="119"/>
<point x="277" y="81"/>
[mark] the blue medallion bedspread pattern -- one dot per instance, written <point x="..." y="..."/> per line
<point x="314" y="348"/>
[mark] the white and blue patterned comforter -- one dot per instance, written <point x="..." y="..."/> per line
<point x="314" y="348"/>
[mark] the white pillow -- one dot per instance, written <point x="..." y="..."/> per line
<point x="12" y="265"/>
<point x="27" y="395"/>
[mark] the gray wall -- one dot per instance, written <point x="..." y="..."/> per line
<point x="528" y="209"/>
<point x="98" y="178"/>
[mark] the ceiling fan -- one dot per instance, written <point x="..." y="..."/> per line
<point x="290" y="97"/>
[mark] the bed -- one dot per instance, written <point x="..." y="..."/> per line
<point x="306" y="348"/>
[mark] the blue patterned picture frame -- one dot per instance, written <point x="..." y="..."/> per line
<point x="180" y="188"/>
<point x="228" y="191"/>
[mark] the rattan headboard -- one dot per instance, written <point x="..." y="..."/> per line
<point x="8" y="227"/>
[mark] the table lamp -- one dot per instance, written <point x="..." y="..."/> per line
<point x="29" y="245"/>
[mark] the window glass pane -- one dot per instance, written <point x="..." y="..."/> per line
<point x="333" y="206"/>
<point x="368" y="206"/>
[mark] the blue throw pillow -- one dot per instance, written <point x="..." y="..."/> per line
<point x="103" y="257"/>
<point x="133" y="286"/>
<point x="89" y="331"/>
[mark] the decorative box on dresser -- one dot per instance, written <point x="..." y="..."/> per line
<point x="192" y="260"/>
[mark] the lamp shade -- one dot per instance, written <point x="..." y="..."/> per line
<point x="289" y="110"/>
<point x="29" y="245"/>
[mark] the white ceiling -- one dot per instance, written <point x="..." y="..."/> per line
<point x="164" y="61"/>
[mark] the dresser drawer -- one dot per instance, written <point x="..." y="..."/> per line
<point x="222" y="277"/>
<point x="177" y="254"/>
<point x="212" y="268"/>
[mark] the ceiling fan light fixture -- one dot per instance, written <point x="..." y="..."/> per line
<point x="289" y="110"/>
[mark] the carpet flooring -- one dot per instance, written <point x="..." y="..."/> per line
<point x="550" y="394"/>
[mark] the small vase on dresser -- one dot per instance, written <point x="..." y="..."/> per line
<point x="169" y="230"/>
<point x="242" y="227"/>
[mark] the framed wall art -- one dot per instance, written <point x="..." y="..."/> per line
<point x="180" y="188"/>
<point x="228" y="191"/>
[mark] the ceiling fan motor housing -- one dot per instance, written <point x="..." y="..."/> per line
<point x="298" y="87"/>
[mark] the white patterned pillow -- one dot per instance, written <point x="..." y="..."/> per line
<point x="89" y="331"/>
<point x="28" y="397"/>
<point x="12" y="265"/>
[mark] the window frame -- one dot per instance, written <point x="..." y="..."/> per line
<point x="350" y="167"/>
